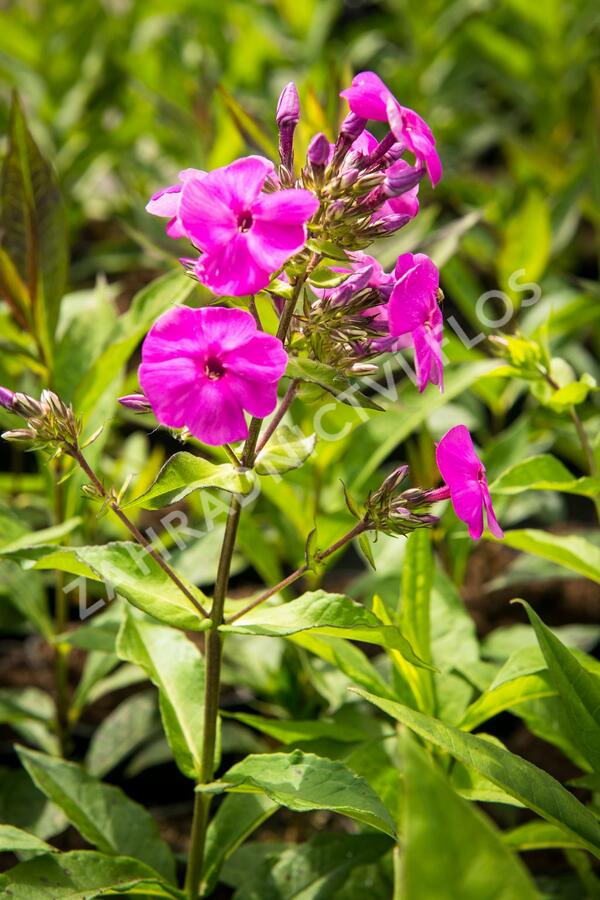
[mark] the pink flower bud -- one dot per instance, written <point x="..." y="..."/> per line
<point x="319" y="150"/>
<point x="136" y="402"/>
<point x="6" y="398"/>
<point x="288" y="106"/>
<point x="352" y="126"/>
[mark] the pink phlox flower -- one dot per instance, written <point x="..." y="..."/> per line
<point x="370" y="98"/>
<point x="165" y="203"/>
<point x="464" y="473"/>
<point x="244" y="233"/>
<point x="201" y="368"/>
<point x="414" y="309"/>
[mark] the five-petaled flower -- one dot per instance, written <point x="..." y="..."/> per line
<point x="464" y="474"/>
<point x="244" y="233"/>
<point x="413" y="309"/>
<point x="201" y="368"/>
<point x="370" y="98"/>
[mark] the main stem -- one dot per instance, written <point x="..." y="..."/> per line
<point x="214" y="642"/>
<point x="61" y="621"/>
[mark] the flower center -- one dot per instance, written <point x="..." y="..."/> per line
<point x="245" y="220"/>
<point x="214" y="368"/>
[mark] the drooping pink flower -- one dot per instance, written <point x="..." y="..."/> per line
<point x="244" y="233"/>
<point x="370" y="98"/>
<point x="464" y="474"/>
<point x="201" y="368"/>
<point x="165" y="203"/>
<point x="413" y="309"/>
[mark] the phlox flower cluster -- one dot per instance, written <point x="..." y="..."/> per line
<point x="257" y="226"/>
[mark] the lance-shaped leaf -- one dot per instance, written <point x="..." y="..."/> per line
<point x="235" y="820"/>
<point x="543" y="473"/>
<point x="578" y="689"/>
<point x="81" y="875"/>
<point x="414" y="613"/>
<point x="317" y="868"/>
<point x="33" y="227"/>
<point x="304" y="782"/>
<point x="287" y="449"/>
<point x="571" y="551"/>
<point x="176" y="667"/>
<point x="471" y="861"/>
<point x="533" y="787"/>
<point x="130" y="570"/>
<point x="127" y="726"/>
<point x="184" y="473"/>
<point x="102" y="813"/>
<point x="15" y="840"/>
<point x="333" y="615"/>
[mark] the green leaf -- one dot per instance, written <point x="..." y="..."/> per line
<point x="346" y="657"/>
<point x="543" y="473"/>
<point x="176" y="667"/>
<point x="25" y="591"/>
<point x="471" y="861"/>
<point x="34" y="232"/>
<point x="293" y="731"/>
<point x="538" y="836"/>
<point x="287" y="449"/>
<point x="81" y="875"/>
<point x="526" y="246"/>
<point x="135" y="575"/>
<point x="572" y="552"/>
<point x="414" y="618"/>
<point x="249" y="129"/>
<point x="126" y="727"/>
<point x="578" y="689"/>
<point x="328" y="614"/>
<point x="25" y="542"/>
<point x="31" y="712"/>
<point x="506" y="695"/>
<point x="14" y="840"/>
<point x="313" y="870"/>
<point x="304" y="782"/>
<point x="533" y="787"/>
<point x="235" y="820"/>
<point x="184" y="473"/>
<point x="22" y="805"/>
<point x="102" y="813"/>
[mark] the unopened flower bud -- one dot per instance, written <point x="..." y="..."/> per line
<point x="318" y="151"/>
<point x="335" y="211"/>
<point x="26" y="406"/>
<point x="401" y="177"/>
<point x="287" y="117"/>
<point x="394" y="479"/>
<point x="368" y="183"/>
<point x="388" y="224"/>
<point x="348" y="178"/>
<point x="6" y="398"/>
<point x="53" y="404"/>
<point x="434" y="496"/>
<point x="136" y="402"/>
<point x="359" y="368"/>
<point x="352" y="127"/>
<point x="19" y="436"/>
<point x="288" y="106"/>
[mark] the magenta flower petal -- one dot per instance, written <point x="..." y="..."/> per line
<point x="416" y="135"/>
<point x="464" y="473"/>
<point x="413" y="309"/>
<point x="367" y="97"/>
<point x="202" y="368"/>
<point x="165" y="203"/>
<point x="231" y="270"/>
<point x="279" y="226"/>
